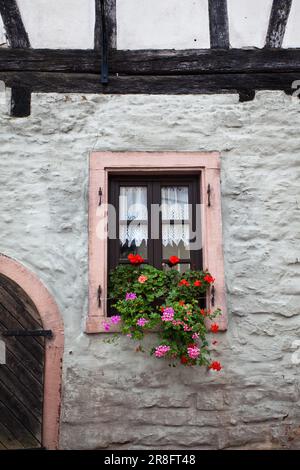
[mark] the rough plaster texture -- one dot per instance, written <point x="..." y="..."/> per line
<point x="112" y="396"/>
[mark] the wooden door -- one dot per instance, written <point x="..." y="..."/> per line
<point x="22" y="371"/>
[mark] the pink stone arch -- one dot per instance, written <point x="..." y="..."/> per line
<point x="52" y="320"/>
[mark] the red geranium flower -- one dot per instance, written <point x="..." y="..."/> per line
<point x="215" y="366"/>
<point x="135" y="259"/>
<point x="214" y="328"/>
<point x="184" y="360"/>
<point x="184" y="282"/>
<point x="203" y="311"/>
<point x="181" y="302"/>
<point x="208" y="278"/>
<point x="173" y="260"/>
<point x="197" y="283"/>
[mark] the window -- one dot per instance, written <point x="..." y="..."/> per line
<point x="163" y="204"/>
<point x="156" y="218"/>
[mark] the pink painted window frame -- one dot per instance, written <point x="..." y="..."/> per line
<point x="104" y="164"/>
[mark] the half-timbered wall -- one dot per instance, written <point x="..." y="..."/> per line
<point x="144" y="24"/>
<point x="112" y="396"/>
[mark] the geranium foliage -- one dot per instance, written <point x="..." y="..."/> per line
<point x="170" y="303"/>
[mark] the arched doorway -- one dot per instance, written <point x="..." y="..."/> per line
<point x="31" y="331"/>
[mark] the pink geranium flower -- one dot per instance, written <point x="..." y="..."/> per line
<point x="176" y="322"/>
<point x="186" y="327"/>
<point x="168" y="314"/>
<point x="195" y="336"/>
<point x="161" y="350"/>
<point x="142" y="279"/>
<point x="115" y="319"/>
<point x="193" y="352"/>
<point x="130" y="296"/>
<point x="142" y="322"/>
<point x="106" y="326"/>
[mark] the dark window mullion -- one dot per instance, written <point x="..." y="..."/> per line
<point x="157" y="243"/>
<point x="196" y="255"/>
<point x="114" y="248"/>
<point x="150" y="241"/>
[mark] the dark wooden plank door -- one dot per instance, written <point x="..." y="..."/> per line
<point x="22" y="374"/>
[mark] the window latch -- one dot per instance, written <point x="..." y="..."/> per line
<point x="100" y="193"/>
<point x="99" y="293"/>
<point x="208" y="195"/>
<point x="212" y="300"/>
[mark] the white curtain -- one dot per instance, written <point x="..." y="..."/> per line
<point x="175" y="206"/>
<point x="133" y="208"/>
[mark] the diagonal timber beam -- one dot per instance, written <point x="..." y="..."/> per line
<point x="277" y="23"/>
<point x="17" y="38"/>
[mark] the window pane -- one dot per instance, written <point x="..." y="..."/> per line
<point x="126" y="249"/>
<point x="180" y="250"/>
<point x="175" y="221"/>
<point x="133" y="220"/>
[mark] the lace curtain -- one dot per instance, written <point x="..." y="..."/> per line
<point x="133" y="215"/>
<point x="133" y="208"/>
<point x="174" y="206"/>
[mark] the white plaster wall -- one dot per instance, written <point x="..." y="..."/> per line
<point x="292" y="34"/>
<point x="67" y="24"/>
<point x="114" y="397"/>
<point x="153" y="24"/>
<point x="143" y="24"/>
<point x="2" y="33"/>
<point x="248" y="22"/>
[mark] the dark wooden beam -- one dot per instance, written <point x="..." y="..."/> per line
<point x="111" y="26"/>
<point x="277" y="24"/>
<point x="246" y="95"/>
<point x="17" y="38"/>
<point x="218" y="24"/>
<point x="20" y="101"/>
<point x="48" y="82"/>
<point x="152" y="62"/>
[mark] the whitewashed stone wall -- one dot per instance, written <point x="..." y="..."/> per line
<point x="114" y="397"/>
